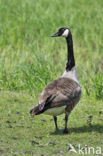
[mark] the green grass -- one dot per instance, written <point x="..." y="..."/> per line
<point x="30" y="58"/>
<point x="23" y="135"/>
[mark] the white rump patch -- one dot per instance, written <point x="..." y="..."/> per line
<point x="55" y="111"/>
<point x="65" y="33"/>
<point x="71" y="74"/>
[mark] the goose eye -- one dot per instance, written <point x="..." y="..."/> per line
<point x="61" y="30"/>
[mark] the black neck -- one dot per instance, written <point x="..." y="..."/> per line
<point x="71" y="61"/>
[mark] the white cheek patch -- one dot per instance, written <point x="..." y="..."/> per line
<point x="65" y="33"/>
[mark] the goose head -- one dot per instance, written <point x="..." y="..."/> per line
<point x="63" y="32"/>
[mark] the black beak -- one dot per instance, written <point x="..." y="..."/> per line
<point x="55" y="35"/>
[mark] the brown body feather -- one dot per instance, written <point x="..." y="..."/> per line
<point x="58" y="93"/>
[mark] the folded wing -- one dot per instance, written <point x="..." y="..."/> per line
<point x="60" y="92"/>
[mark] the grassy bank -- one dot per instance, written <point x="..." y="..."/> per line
<point x="22" y="135"/>
<point x="30" y="58"/>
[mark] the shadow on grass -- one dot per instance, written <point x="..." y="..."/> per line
<point x="86" y="128"/>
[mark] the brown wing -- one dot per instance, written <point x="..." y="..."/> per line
<point x="58" y="93"/>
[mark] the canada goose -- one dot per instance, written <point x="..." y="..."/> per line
<point x="61" y="95"/>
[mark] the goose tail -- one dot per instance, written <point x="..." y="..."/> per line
<point x="35" y="111"/>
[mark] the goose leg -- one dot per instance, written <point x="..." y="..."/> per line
<point x="55" y="120"/>
<point x="66" y="120"/>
